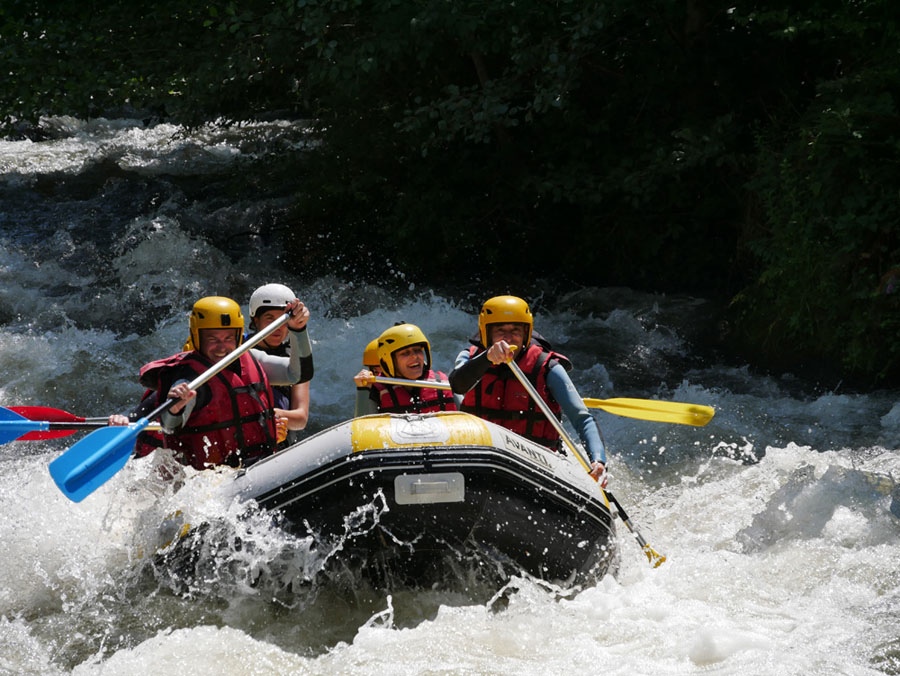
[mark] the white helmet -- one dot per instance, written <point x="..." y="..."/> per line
<point x="270" y="296"/>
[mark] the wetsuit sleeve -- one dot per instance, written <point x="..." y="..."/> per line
<point x="563" y="390"/>
<point x="467" y="371"/>
<point x="148" y="403"/>
<point x="443" y="378"/>
<point x="292" y="370"/>
<point x="301" y="346"/>
<point x="279" y="370"/>
<point x="170" y="422"/>
<point x="365" y="405"/>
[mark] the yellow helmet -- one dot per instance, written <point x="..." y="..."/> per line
<point x="398" y="338"/>
<point x="215" y="312"/>
<point x="504" y="310"/>
<point x="370" y="355"/>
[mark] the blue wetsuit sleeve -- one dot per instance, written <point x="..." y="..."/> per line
<point x="563" y="390"/>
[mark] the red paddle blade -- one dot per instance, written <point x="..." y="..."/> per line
<point x="46" y="413"/>
<point x="49" y="434"/>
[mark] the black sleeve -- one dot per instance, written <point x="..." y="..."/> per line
<point x="463" y="379"/>
<point x="148" y="403"/>
<point x="306" y="369"/>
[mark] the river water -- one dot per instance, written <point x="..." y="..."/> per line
<point x="780" y="520"/>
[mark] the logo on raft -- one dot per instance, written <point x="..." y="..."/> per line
<point x="534" y="452"/>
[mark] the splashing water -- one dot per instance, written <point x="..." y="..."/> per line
<point x="780" y="520"/>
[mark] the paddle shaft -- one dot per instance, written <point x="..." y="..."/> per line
<point x="412" y="383"/>
<point x="89" y="425"/>
<point x="637" y="536"/>
<point x="653" y="557"/>
<point x="223" y="363"/>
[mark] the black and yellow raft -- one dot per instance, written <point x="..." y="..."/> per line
<point x="412" y="494"/>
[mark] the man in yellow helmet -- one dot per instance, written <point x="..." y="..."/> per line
<point x="491" y="390"/>
<point x="228" y="420"/>
<point x="403" y="352"/>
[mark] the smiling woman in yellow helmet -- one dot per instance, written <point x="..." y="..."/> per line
<point x="403" y="352"/>
<point x="229" y="420"/>
<point x="491" y="391"/>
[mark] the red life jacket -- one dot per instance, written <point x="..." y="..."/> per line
<point x="236" y="427"/>
<point x="500" y="398"/>
<point x="399" y="399"/>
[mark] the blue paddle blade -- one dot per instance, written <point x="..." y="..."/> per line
<point x="9" y="414"/>
<point x="91" y="462"/>
<point x="13" y="425"/>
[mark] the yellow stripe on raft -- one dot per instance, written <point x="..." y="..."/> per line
<point x="377" y="432"/>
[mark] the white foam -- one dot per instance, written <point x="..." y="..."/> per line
<point x="219" y="651"/>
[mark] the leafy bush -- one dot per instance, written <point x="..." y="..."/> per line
<point x="825" y="242"/>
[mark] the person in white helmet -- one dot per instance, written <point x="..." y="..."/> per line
<point x="267" y="304"/>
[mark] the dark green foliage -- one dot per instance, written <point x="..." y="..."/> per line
<point x="745" y="151"/>
<point x="824" y="240"/>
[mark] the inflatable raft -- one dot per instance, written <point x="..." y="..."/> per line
<point x="409" y="495"/>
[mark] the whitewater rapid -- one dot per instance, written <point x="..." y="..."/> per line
<point x="779" y="520"/>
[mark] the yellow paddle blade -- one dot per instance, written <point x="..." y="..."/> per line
<point x="657" y="411"/>
<point x="655" y="558"/>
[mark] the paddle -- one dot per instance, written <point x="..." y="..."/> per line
<point x="95" y="459"/>
<point x="658" y="411"/>
<point x="653" y="557"/>
<point x="15" y="427"/>
<point x="411" y="383"/>
<point x="54" y="416"/>
<point x="643" y="409"/>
